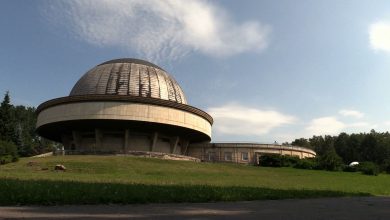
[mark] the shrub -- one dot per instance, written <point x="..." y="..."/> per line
<point x="386" y="166"/>
<point x="369" y="168"/>
<point x="8" y="152"/>
<point x="290" y="161"/>
<point x="270" y="160"/>
<point x="330" y="161"/>
<point x="307" y="163"/>
<point x="351" y="168"/>
<point x="6" y="159"/>
<point x="276" y="160"/>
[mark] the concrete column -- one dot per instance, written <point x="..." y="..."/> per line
<point x="126" y="145"/>
<point x="185" y="147"/>
<point x="257" y="158"/>
<point x="154" y="141"/>
<point x="174" y="144"/>
<point x="98" y="139"/>
<point x="65" y="141"/>
<point x="251" y="156"/>
<point x="235" y="155"/>
<point x="76" y="139"/>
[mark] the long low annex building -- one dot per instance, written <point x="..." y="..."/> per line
<point x="132" y="106"/>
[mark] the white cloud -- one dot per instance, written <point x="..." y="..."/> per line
<point x="325" y="126"/>
<point x="330" y="125"/>
<point x="158" y="30"/>
<point x="359" y="124"/>
<point x="241" y="120"/>
<point x="351" y="113"/>
<point x="380" y="36"/>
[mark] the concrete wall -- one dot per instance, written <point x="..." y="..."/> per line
<point x="247" y="153"/>
<point x="110" y="141"/>
<point x="124" y="111"/>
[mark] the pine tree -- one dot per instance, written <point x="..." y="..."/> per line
<point x="7" y="128"/>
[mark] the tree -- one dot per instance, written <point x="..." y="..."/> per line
<point x="8" y="152"/>
<point x="27" y="140"/>
<point x="7" y="128"/>
<point x="341" y="146"/>
<point x="369" y="147"/>
<point x="353" y="148"/>
<point x="322" y="144"/>
<point x="302" y="142"/>
<point x="330" y="161"/>
<point x="17" y="126"/>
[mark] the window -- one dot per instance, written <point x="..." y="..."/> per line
<point x="244" y="156"/>
<point x="228" y="156"/>
<point x="211" y="156"/>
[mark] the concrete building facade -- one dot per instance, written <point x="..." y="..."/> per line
<point x="124" y="105"/>
<point x="246" y="153"/>
<point x="130" y="105"/>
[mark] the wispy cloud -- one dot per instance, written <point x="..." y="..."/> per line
<point x="380" y="36"/>
<point x="159" y="30"/>
<point x="351" y="113"/>
<point x="241" y="120"/>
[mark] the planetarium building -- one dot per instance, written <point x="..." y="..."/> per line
<point x="128" y="105"/>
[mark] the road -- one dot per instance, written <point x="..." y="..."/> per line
<point x="324" y="208"/>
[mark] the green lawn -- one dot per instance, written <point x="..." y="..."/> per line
<point x="118" y="179"/>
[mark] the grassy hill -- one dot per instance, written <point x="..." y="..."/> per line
<point x="119" y="179"/>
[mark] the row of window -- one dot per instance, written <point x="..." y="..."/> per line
<point x="228" y="156"/>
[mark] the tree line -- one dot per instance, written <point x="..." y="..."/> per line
<point x="363" y="147"/>
<point x="17" y="132"/>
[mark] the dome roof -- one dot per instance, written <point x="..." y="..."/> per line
<point x="129" y="77"/>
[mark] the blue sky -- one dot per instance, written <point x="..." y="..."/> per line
<point x="265" y="70"/>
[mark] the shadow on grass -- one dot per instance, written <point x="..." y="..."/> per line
<point x="47" y="192"/>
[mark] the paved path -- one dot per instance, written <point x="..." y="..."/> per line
<point x="328" y="208"/>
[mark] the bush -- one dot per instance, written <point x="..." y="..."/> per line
<point x="277" y="160"/>
<point x="290" y="161"/>
<point x="369" y="168"/>
<point x="270" y="160"/>
<point x="386" y="166"/>
<point x="8" y="152"/>
<point x="330" y="161"/>
<point x="6" y="159"/>
<point x="307" y="163"/>
<point x="351" y="168"/>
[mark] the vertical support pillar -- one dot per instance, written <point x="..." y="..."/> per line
<point x="126" y="144"/>
<point x="250" y="156"/>
<point x="220" y="154"/>
<point x="98" y="139"/>
<point x="174" y="144"/>
<point x="66" y="144"/>
<point x="236" y="154"/>
<point x="76" y="140"/>
<point x="185" y="147"/>
<point x="154" y="141"/>
<point x="65" y="141"/>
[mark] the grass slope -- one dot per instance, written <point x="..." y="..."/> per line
<point x="118" y="179"/>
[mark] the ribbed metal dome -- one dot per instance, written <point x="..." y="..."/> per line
<point x="129" y="77"/>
